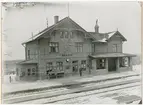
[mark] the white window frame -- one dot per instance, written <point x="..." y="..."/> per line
<point x="79" y="47"/>
<point x="54" y="45"/>
<point x="115" y="47"/>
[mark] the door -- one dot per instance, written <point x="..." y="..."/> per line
<point x="75" y="66"/>
<point x="112" y="64"/>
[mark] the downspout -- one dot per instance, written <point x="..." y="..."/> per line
<point x="39" y="72"/>
<point x="24" y="45"/>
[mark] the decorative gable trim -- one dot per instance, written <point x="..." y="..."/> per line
<point x="54" y="27"/>
<point x="117" y="33"/>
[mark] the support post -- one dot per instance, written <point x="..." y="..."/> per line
<point x="89" y="65"/>
<point x="130" y="63"/>
<point x="94" y="64"/>
<point x="117" y="64"/>
<point x="106" y="64"/>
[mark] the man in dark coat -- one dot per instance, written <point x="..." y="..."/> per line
<point x="80" y="71"/>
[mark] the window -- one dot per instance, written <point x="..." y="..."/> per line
<point x="114" y="47"/>
<point x="33" y="71"/>
<point x="61" y="35"/>
<point x="22" y="72"/>
<point x="124" y="62"/>
<point x="100" y="63"/>
<point x="54" y="47"/>
<point x="83" y="63"/>
<point x="66" y="35"/>
<point x="28" y="54"/>
<point x="17" y="73"/>
<point x="71" y="35"/>
<point x="44" y="51"/>
<point x="75" y="66"/>
<point x="29" y="72"/>
<point x="47" y="72"/>
<point x="49" y="67"/>
<point x="60" y="66"/>
<point x="93" y="47"/>
<point x="36" y="53"/>
<point x="79" y="47"/>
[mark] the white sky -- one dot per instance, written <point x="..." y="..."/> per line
<point x="19" y="24"/>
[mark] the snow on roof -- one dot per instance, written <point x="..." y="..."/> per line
<point x="103" y="40"/>
<point x="112" y="55"/>
<point x="27" y="62"/>
<point x="110" y="34"/>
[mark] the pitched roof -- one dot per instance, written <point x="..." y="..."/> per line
<point x="104" y="37"/>
<point x="55" y="25"/>
<point x="100" y="37"/>
<point x="116" y="32"/>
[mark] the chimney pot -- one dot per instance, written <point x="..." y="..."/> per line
<point x="56" y="19"/>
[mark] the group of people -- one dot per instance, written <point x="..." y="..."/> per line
<point x="11" y="79"/>
<point x="75" y="69"/>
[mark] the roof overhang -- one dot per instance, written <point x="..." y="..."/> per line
<point x="109" y="55"/>
<point x="28" y="62"/>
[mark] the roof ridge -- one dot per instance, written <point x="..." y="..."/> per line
<point x="48" y="27"/>
<point x="110" y="32"/>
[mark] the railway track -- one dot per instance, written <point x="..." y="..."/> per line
<point x="88" y="94"/>
<point x="75" y="95"/>
<point x="63" y="91"/>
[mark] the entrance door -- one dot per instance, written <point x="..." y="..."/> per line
<point x="111" y="64"/>
<point x="75" y="66"/>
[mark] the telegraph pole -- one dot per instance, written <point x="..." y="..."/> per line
<point x="68" y="9"/>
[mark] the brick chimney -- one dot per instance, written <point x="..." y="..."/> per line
<point x="56" y="19"/>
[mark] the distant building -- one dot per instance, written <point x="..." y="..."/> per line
<point x="65" y="48"/>
<point x="9" y="66"/>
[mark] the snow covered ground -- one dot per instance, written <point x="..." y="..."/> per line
<point x="101" y="96"/>
<point x="16" y="86"/>
<point x="6" y="78"/>
<point x="137" y="68"/>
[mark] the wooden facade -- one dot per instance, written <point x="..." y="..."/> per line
<point x="65" y="49"/>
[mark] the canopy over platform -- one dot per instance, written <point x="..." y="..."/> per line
<point x="108" y="55"/>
